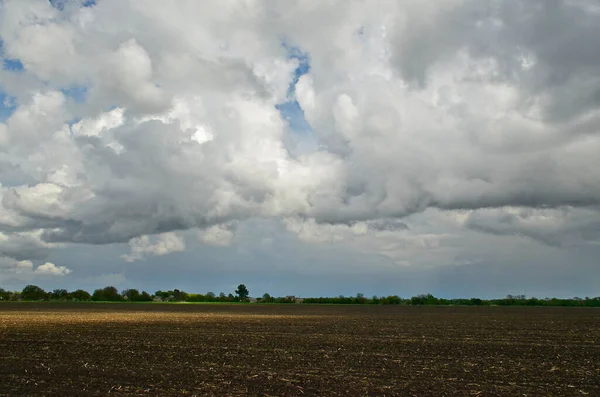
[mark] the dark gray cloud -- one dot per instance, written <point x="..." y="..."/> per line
<point x="22" y="247"/>
<point x="547" y="47"/>
<point x="563" y="227"/>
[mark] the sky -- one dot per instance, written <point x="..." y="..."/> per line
<point x="309" y="148"/>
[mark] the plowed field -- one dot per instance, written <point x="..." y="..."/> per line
<point x="297" y="350"/>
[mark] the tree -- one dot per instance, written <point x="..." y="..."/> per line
<point x="98" y="295"/>
<point x="145" y="297"/>
<point x="476" y="301"/>
<point x="106" y="294"/>
<point x="60" y="294"/>
<point x="266" y="298"/>
<point x="4" y="295"/>
<point x="360" y="298"/>
<point x="242" y="292"/>
<point x="180" y="296"/>
<point x="111" y="294"/>
<point x="162" y="295"/>
<point x="33" y="293"/>
<point x="427" y="299"/>
<point x="132" y="295"/>
<point x="81" y="295"/>
<point x="15" y="295"/>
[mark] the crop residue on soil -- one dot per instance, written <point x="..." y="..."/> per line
<point x="289" y="350"/>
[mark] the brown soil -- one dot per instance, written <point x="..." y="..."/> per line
<point x="297" y="350"/>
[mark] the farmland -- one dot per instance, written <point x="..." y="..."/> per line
<point x="274" y="350"/>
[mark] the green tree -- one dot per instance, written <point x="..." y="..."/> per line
<point x="81" y="295"/>
<point x="476" y="301"/>
<point x="60" y="294"/>
<point x="427" y="299"/>
<point x="145" y="297"/>
<point x="266" y="298"/>
<point x="106" y="294"/>
<point x="4" y="295"/>
<point x="242" y="292"/>
<point x="132" y="295"/>
<point x="163" y="295"/>
<point x="180" y="296"/>
<point x="33" y="293"/>
<point x="98" y="295"/>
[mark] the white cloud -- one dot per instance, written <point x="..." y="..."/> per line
<point x="412" y="107"/>
<point x="50" y="269"/>
<point x="128" y="74"/>
<point x="25" y="266"/>
<point x="218" y="235"/>
<point x="36" y="121"/>
<point x="163" y="244"/>
<point x="100" y="125"/>
<point x="25" y="270"/>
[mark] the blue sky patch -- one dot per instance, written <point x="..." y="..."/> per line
<point x="7" y="106"/>
<point x="293" y="113"/>
<point x="12" y="64"/>
<point x="291" y="110"/>
<point x="78" y="93"/>
<point x="303" y="65"/>
<point x="8" y="63"/>
<point x="60" y="4"/>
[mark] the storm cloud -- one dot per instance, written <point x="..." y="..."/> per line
<point x="132" y="122"/>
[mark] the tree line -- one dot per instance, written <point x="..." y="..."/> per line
<point x="112" y="294"/>
<point x="430" y="300"/>
<point x="242" y="294"/>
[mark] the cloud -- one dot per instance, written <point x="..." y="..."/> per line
<point x="105" y="279"/>
<point x="25" y="266"/>
<point x="50" y="269"/>
<point x="24" y="245"/>
<point x="163" y="244"/>
<point x="555" y="227"/>
<point x="25" y="270"/>
<point x="218" y="235"/>
<point x="3" y="135"/>
<point x="310" y="231"/>
<point x="466" y="106"/>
